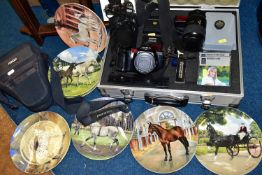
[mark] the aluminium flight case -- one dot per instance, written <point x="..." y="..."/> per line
<point x="181" y="93"/>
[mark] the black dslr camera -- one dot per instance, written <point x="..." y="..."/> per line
<point x="123" y="28"/>
<point x="143" y="60"/>
<point x="122" y="22"/>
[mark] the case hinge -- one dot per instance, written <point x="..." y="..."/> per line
<point x="206" y="101"/>
<point x="128" y="94"/>
<point x="205" y="6"/>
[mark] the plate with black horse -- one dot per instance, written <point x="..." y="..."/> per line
<point x="229" y="141"/>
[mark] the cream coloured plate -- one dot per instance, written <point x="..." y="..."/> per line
<point x="40" y="142"/>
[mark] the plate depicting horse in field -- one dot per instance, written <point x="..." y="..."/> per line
<point x="79" y="69"/>
<point x="78" y="25"/>
<point x="40" y="142"/>
<point x="164" y="139"/>
<point x="105" y="138"/>
<point x="229" y="141"/>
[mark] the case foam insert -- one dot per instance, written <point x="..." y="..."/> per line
<point x="191" y="74"/>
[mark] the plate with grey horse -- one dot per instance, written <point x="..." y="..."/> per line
<point x="107" y="136"/>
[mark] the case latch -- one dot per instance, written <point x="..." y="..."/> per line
<point x="103" y="92"/>
<point x="206" y="101"/>
<point x="128" y="94"/>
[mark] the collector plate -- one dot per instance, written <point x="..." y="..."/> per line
<point x="79" y="69"/>
<point x="78" y="25"/>
<point x="105" y="138"/>
<point x="229" y="141"/>
<point x="164" y="139"/>
<point x="40" y="142"/>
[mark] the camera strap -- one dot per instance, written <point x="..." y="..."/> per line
<point x="143" y="11"/>
<point x="169" y="35"/>
<point x="92" y="111"/>
<point x="167" y="28"/>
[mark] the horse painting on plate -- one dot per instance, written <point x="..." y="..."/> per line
<point x="164" y="139"/>
<point x="169" y="135"/>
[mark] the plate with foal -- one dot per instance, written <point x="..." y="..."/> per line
<point x="229" y="141"/>
<point x="78" y="69"/>
<point x="164" y="139"/>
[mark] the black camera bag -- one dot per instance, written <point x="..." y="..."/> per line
<point x="23" y="75"/>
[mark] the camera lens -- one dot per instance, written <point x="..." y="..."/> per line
<point x="195" y="31"/>
<point x="197" y="17"/>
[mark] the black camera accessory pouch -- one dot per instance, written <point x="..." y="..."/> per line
<point x="92" y="111"/>
<point x="23" y="75"/>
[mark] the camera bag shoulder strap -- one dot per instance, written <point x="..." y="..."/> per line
<point x="69" y="105"/>
<point x="86" y="111"/>
<point x="5" y="100"/>
<point x="92" y="111"/>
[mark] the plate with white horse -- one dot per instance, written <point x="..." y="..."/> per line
<point x="79" y="69"/>
<point x="164" y="139"/>
<point x="78" y="25"/>
<point x="104" y="138"/>
<point x="229" y="141"/>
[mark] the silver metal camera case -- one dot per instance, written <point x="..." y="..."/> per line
<point x="196" y="97"/>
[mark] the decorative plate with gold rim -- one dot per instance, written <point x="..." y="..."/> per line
<point x="229" y="141"/>
<point x="78" y="25"/>
<point x="107" y="137"/>
<point x="79" y="69"/>
<point x="40" y="142"/>
<point x="164" y="139"/>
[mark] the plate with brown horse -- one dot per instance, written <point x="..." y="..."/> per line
<point x="164" y="139"/>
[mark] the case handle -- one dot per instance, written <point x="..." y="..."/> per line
<point x="166" y="100"/>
